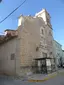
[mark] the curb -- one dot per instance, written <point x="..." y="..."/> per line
<point x="61" y="73"/>
<point x="45" y="79"/>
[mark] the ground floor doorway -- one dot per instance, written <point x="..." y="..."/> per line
<point x="44" y="65"/>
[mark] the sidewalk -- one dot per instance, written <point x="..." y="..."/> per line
<point x="44" y="77"/>
<point x="61" y="71"/>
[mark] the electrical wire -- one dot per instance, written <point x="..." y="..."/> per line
<point x="13" y="11"/>
<point x="0" y="1"/>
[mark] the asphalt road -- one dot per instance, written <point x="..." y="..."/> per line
<point x="58" y="80"/>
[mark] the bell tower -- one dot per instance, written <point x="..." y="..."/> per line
<point x="45" y="16"/>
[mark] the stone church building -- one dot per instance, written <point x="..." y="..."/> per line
<point x="29" y="48"/>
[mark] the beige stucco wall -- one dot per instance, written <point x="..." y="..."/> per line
<point x="7" y="65"/>
<point x="29" y="40"/>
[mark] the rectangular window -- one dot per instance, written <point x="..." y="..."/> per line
<point x="42" y="31"/>
<point x="12" y="56"/>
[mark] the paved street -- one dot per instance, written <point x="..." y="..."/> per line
<point x="58" y="80"/>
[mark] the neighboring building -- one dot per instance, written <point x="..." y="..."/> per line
<point x="58" y="52"/>
<point x="7" y="52"/>
<point x="63" y="57"/>
<point x="30" y="47"/>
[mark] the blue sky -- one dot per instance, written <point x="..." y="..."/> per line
<point x="54" y="7"/>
